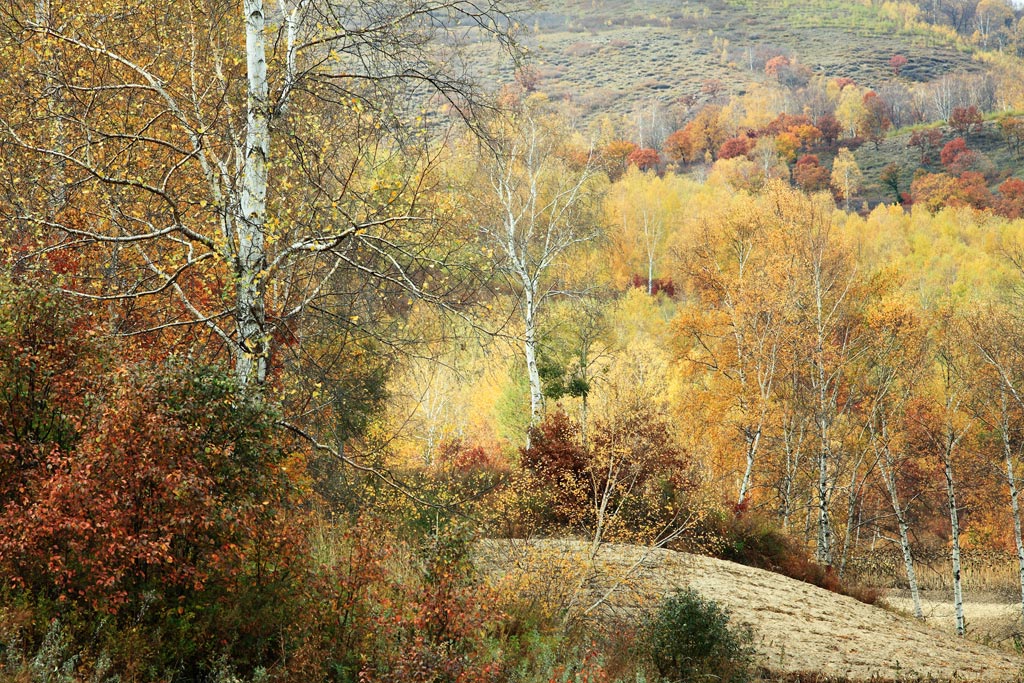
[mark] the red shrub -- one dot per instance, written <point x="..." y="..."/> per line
<point x="1011" y="198"/>
<point x="896" y="63"/>
<point x="739" y="146"/>
<point x="645" y="158"/>
<point x="957" y="157"/>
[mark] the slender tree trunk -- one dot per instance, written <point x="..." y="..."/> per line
<point x="793" y="440"/>
<point x="824" y="550"/>
<point x="253" y="345"/>
<point x="851" y="519"/>
<point x="954" y="524"/>
<point x="1011" y="481"/>
<point x="530" y="351"/>
<point x="889" y="477"/>
<point x="753" y="438"/>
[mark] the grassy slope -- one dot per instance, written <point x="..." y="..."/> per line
<point x="625" y="56"/>
<point x="618" y="56"/>
<point x="988" y="142"/>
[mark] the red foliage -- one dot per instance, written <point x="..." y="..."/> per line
<point x="1011" y="198"/>
<point x="965" y="120"/>
<point x="645" y="159"/>
<point x="774" y="65"/>
<point x="927" y="141"/>
<point x="657" y="285"/>
<point x="466" y="459"/>
<point x="785" y="122"/>
<point x="145" y="492"/>
<point x="876" y="122"/>
<point x="957" y="157"/>
<point x="156" y="493"/>
<point x="698" y="139"/>
<point x="971" y="190"/>
<point x="809" y="175"/>
<point x="896" y="63"/>
<point x="843" y="82"/>
<point x="830" y="128"/>
<point x="739" y="146"/>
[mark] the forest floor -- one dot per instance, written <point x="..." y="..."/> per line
<point x="990" y="617"/>
<point x="797" y="627"/>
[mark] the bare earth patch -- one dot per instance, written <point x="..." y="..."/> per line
<point x="798" y="627"/>
<point x="990" y="618"/>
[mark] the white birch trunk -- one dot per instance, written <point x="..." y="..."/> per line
<point x="954" y="524"/>
<point x="530" y="351"/>
<point x="753" y="440"/>
<point x="889" y="477"/>
<point x="1011" y="481"/>
<point x="253" y="346"/>
<point x="823" y="553"/>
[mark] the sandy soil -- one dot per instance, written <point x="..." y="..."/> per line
<point x="798" y="627"/>
<point x="990" y="619"/>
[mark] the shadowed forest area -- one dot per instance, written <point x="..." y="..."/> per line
<point x="458" y="341"/>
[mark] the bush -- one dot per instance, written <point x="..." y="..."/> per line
<point x="142" y="506"/>
<point x="752" y="539"/>
<point x="691" y="639"/>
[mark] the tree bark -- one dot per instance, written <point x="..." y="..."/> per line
<point x="253" y="348"/>
<point x="889" y="477"/>
<point x="954" y="525"/>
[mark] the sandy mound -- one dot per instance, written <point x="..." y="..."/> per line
<point x="798" y="627"/>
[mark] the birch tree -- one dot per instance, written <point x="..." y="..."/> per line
<point x="944" y="425"/>
<point x="229" y="180"/>
<point x="828" y="335"/>
<point x="539" y="208"/>
<point x="895" y="363"/>
<point x="995" y="333"/>
<point x="741" y="329"/>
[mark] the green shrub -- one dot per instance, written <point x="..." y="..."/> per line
<point x="691" y="639"/>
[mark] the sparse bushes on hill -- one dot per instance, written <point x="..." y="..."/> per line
<point x="691" y="639"/>
<point x="752" y="539"/>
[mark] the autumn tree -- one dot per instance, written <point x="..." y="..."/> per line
<point x="897" y="62"/>
<point x="1012" y="130"/>
<point x="642" y="209"/>
<point x="809" y="174"/>
<point x="942" y="425"/>
<point x="537" y="210"/>
<point x="957" y="157"/>
<point x="738" y="329"/>
<point x="830" y="129"/>
<point x="891" y="179"/>
<point x="1001" y="403"/>
<point x="846" y="176"/>
<point x="896" y="361"/>
<point x="698" y="139"/>
<point x="1011" y="198"/>
<point x="965" y="120"/>
<point x="645" y="158"/>
<point x="200" y="164"/>
<point x="928" y="142"/>
<point x="874" y="121"/>
<point x="826" y="296"/>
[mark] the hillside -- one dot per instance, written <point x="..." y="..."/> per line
<point x="609" y="56"/>
<point x="798" y="627"/>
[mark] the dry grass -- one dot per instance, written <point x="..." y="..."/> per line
<point x="799" y="628"/>
<point x="613" y="45"/>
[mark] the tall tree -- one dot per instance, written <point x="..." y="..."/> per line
<point x="829" y="335"/>
<point x="538" y="209"/>
<point x="895" y="362"/>
<point x="233" y="178"/>
<point x="740" y="330"/>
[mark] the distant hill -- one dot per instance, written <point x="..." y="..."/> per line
<point x="610" y="55"/>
